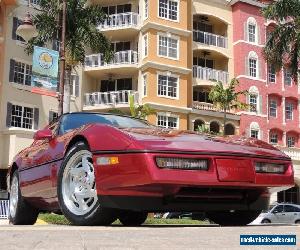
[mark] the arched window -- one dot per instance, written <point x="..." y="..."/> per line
<point x="255" y="130"/>
<point x="252" y="31"/>
<point x="252" y="64"/>
<point x="214" y="127"/>
<point x="254" y="99"/>
<point x="198" y="124"/>
<point x="229" y="129"/>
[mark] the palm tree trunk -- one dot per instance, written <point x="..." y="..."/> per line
<point x="67" y="92"/>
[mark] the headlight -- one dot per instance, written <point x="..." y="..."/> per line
<point x="182" y="163"/>
<point x="272" y="168"/>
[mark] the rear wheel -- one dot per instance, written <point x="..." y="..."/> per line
<point x="132" y="218"/>
<point x="20" y="212"/>
<point x="77" y="190"/>
<point x="233" y="218"/>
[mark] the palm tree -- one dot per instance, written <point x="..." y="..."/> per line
<point x="81" y="31"/>
<point x="283" y="46"/>
<point x="139" y="111"/>
<point x="227" y="98"/>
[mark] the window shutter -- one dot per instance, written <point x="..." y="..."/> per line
<point x="11" y="70"/>
<point x="36" y="118"/>
<point x="258" y="35"/>
<point x="14" y="29"/>
<point x="246" y="66"/>
<point x="77" y="86"/>
<point x="260" y="104"/>
<point x="245" y="31"/>
<point x="8" y="114"/>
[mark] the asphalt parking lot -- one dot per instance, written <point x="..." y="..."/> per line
<point x="146" y="237"/>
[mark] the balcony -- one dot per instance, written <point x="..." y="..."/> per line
<point x="208" y="75"/>
<point x="121" y="26"/>
<point x="107" y="100"/>
<point x="122" y="62"/>
<point x="294" y="153"/>
<point x="210" y="39"/>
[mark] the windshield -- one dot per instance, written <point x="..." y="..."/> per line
<point x="76" y="120"/>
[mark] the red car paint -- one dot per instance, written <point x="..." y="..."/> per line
<point x="231" y="164"/>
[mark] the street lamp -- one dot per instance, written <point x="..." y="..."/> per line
<point x="28" y="31"/>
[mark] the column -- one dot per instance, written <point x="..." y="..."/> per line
<point x="284" y="139"/>
<point x="283" y="111"/>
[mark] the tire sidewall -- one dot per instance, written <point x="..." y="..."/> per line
<point x="11" y="219"/>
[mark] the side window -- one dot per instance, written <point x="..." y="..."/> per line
<point x="278" y="209"/>
<point x="289" y="209"/>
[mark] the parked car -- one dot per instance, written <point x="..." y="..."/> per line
<point x="96" y="168"/>
<point x="280" y="213"/>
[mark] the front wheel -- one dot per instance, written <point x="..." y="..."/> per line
<point x="265" y="221"/>
<point x="233" y="218"/>
<point x="132" y="218"/>
<point x="20" y="212"/>
<point x="77" y="192"/>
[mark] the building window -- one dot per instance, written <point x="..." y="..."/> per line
<point x="145" y="84"/>
<point x="168" y="9"/>
<point x="20" y="72"/>
<point x="273" y="108"/>
<point x="274" y="138"/>
<point x="74" y="88"/>
<point x="16" y="23"/>
<point x="253" y="102"/>
<point x="145" y="41"/>
<point x="271" y="74"/>
<point x="167" y="86"/>
<point x="287" y="77"/>
<point x="53" y="116"/>
<point x="289" y="111"/>
<point x="253" y="67"/>
<point x="168" y="46"/>
<point x="251" y="33"/>
<point x="291" y="141"/>
<point x="146" y="9"/>
<point x="167" y="121"/>
<point x="254" y="133"/>
<point x="21" y="117"/>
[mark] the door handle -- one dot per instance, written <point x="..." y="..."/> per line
<point x="295" y="214"/>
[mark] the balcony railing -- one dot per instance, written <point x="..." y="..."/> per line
<point x="120" y="21"/>
<point x="121" y="57"/>
<point x="112" y="98"/>
<point x="210" y="74"/>
<point x="294" y="153"/>
<point x="210" y="39"/>
<point x="204" y="106"/>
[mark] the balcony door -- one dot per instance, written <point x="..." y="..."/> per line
<point x="203" y="62"/>
<point x="120" y="46"/>
<point x="116" y="85"/>
<point x="117" y="9"/>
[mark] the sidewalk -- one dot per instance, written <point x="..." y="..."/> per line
<point x="3" y="222"/>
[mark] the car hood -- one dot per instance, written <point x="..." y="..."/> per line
<point x="158" y="139"/>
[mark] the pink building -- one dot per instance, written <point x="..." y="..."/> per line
<point x="273" y="114"/>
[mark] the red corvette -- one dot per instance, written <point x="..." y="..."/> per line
<point x="95" y="168"/>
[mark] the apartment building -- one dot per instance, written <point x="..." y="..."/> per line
<point x="273" y="114"/>
<point x="22" y="111"/>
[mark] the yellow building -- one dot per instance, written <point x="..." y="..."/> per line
<point x="166" y="54"/>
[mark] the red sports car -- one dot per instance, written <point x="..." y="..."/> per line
<point x="96" y="168"/>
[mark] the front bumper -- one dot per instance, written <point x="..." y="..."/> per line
<point x="137" y="175"/>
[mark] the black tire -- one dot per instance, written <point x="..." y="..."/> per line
<point x="23" y="214"/>
<point x="132" y="218"/>
<point x="265" y="221"/>
<point x="235" y="218"/>
<point x="98" y="215"/>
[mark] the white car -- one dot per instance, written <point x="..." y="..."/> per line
<point x="280" y="213"/>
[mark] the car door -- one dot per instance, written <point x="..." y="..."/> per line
<point x="36" y="179"/>
<point x="278" y="214"/>
<point x="291" y="213"/>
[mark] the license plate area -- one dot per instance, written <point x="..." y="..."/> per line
<point x="231" y="170"/>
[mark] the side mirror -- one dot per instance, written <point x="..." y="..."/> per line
<point x="43" y="134"/>
<point x="275" y="211"/>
